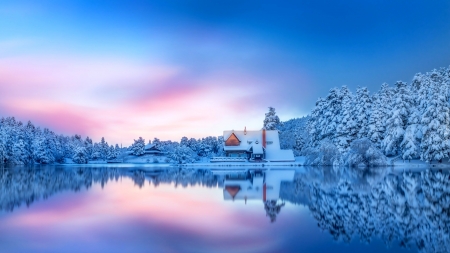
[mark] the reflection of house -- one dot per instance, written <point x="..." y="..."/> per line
<point x="151" y="149"/>
<point x="256" y="145"/>
<point x="255" y="184"/>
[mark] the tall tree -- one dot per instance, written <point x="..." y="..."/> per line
<point x="271" y="121"/>
<point x="396" y="124"/>
<point x="138" y="146"/>
<point x="436" y="120"/>
<point x="363" y="105"/>
<point x="346" y="130"/>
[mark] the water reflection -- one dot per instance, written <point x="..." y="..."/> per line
<point x="410" y="209"/>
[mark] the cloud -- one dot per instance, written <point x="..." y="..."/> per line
<point x="122" y="99"/>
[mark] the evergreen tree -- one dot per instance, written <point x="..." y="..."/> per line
<point x="104" y="148"/>
<point x="111" y="153"/>
<point x="363" y="105"/>
<point x="117" y="151"/>
<point x="96" y="151"/>
<point x="436" y="119"/>
<point x="314" y="125"/>
<point x="396" y="124"/>
<point x="41" y="153"/>
<point x="88" y="145"/>
<point x="19" y="152"/>
<point x="271" y="121"/>
<point x="138" y="147"/>
<point x="346" y="130"/>
<point x="80" y="155"/>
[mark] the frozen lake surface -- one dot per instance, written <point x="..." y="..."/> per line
<point x="152" y="209"/>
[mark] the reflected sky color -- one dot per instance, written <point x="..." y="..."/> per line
<point x="122" y="217"/>
<point x="124" y="69"/>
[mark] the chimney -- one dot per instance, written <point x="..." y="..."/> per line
<point x="264" y="138"/>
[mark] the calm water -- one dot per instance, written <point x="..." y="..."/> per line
<point x="148" y="209"/>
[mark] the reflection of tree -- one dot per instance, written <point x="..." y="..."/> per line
<point x="26" y="185"/>
<point x="273" y="208"/>
<point x="411" y="208"/>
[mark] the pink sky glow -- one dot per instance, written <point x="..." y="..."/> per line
<point x="154" y="209"/>
<point x="122" y="99"/>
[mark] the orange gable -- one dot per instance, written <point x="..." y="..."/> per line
<point x="232" y="190"/>
<point x="232" y="140"/>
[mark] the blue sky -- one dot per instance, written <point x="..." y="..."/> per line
<point x="172" y="68"/>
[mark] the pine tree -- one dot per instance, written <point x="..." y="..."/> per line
<point x="41" y="153"/>
<point x="332" y="114"/>
<point x="314" y="127"/>
<point x="103" y="148"/>
<point x="138" y="147"/>
<point x="346" y="130"/>
<point x="96" y="151"/>
<point x="363" y="105"/>
<point x="111" y="153"/>
<point x="381" y="108"/>
<point x="117" y="151"/>
<point x="436" y="119"/>
<point x="19" y="152"/>
<point x="80" y="155"/>
<point x="410" y="145"/>
<point x="271" y="121"/>
<point x="396" y="124"/>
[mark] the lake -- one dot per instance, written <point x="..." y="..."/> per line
<point x="234" y="209"/>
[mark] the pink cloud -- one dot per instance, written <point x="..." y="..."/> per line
<point x="122" y="99"/>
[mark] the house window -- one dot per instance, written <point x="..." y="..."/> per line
<point x="269" y="142"/>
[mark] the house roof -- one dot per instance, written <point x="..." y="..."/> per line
<point x="257" y="148"/>
<point x="150" y="147"/>
<point x="249" y="138"/>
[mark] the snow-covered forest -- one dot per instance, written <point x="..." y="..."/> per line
<point x="27" y="144"/>
<point x="411" y="121"/>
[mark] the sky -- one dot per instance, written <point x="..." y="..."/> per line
<point x="167" y="69"/>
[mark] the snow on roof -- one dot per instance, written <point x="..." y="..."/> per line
<point x="280" y="156"/>
<point x="257" y="148"/>
<point x="150" y="146"/>
<point x="248" y="138"/>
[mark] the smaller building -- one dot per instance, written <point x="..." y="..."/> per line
<point x="261" y="145"/>
<point x="151" y="149"/>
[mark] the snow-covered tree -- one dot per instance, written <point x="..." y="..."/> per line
<point x="41" y="153"/>
<point x="396" y="124"/>
<point x="111" y="153"/>
<point x="346" y="130"/>
<point x="103" y="148"/>
<point x="271" y="121"/>
<point x="332" y="114"/>
<point x="80" y="155"/>
<point x="314" y="124"/>
<point x="363" y="152"/>
<point x="19" y="152"/>
<point x="436" y="120"/>
<point x="363" y="106"/>
<point x="379" y="115"/>
<point x="117" y="150"/>
<point x="183" y="154"/>
<point x="138" y="147"/>
<point x="3" y="154"/>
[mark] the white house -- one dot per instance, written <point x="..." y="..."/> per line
<point x="261" y="145"/>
